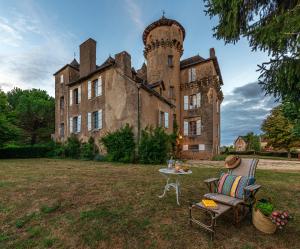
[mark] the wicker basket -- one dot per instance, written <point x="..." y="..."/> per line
<point x="262" y="223"/>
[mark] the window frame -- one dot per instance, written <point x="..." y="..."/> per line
<point x="170" y="61"/>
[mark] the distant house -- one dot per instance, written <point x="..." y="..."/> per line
<point x="240" y="144"/>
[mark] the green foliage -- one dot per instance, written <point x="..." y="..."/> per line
<point x="253" y="141"/>
<point x="87" y="150"/>
<point x="219" y="157"/>
<point x="120" y="145"/>
<point x="155" y="146"/>
<point x="26" y="151"/>
<point x="279" y="130"/>
<point x="72" y="147"/>
<point x="265" y="207"/>
<point x="271" y="26"/>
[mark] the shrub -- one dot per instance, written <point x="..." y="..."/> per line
<point x="120" y="145"/>
<point x="72" y="147"/>
<point x="219" y="157"/>
<point x="87" y="150"/>
<point x="26" y="151"/>
<point x="155" y="146"/>
<point x="100" y="158"/>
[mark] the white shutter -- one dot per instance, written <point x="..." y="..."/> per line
<point x="79" y="94"/>
<point x="89" y="121"/>
<point x="185" y="147"/>
<point x="190" y="74"/>
<point x="89" y="89"/>
<point x="198" y="103"/>
<point x="62" y="78"/>
<point x="79" y="123"/>
<point x="166" y="120"/>
<point x="185" y="102"/>
<point x="193" y="76"/>
<point x="199" y="127"/>
<point x="71" y="97"/>
<point x="100" y="119"/>
<point x="201" y="146"/>
<point x="99" y="86"/>
<point x="71" y="125"/>
<point x="186" y="128"/>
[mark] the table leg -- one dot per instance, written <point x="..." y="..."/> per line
<point x="165" y="189"/>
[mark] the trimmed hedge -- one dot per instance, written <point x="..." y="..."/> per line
<point x="25" y="151"/>
<point x="264" y="153"/>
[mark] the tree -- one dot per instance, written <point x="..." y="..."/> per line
<point x="279" y="130"/>
<point x="7" y="130"/>
<point x="253" y="142"/>
<point x="34" y="110"/>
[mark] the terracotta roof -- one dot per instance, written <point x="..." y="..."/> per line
<point x="161" y="22"/>
<point x="191" y="61"/>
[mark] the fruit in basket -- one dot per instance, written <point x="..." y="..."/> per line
<point x="177" y="168"/>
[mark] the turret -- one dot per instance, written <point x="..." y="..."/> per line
<point x="163" y="40"/>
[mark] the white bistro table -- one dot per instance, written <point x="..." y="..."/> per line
<point x="169" y="174"/>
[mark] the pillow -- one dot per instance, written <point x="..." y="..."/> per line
<point x="233" y="186"/>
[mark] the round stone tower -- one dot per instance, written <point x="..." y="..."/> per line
<point x="163" y="40"/>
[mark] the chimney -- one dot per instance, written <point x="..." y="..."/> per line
<point x="212" y="53"/>
<point x="87" y="57"/>
<point x="123" y="61"/>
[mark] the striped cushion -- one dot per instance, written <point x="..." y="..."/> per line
<point x="233" y="186"/>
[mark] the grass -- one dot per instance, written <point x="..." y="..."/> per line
<point x="48" y="203"/>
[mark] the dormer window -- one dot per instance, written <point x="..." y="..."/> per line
<point x="62" y="78"/>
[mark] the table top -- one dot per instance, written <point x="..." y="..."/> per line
<point x="221" y="208"/>
<point x="173" y="172"/>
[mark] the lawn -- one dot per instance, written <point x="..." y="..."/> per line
<point x="47" y="203"/>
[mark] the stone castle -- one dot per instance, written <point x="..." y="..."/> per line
<point x="94" y="99"/>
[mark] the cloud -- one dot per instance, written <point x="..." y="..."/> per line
<point x="31" y="49"/>
<point x="243" y="111"/>
<point x="135" y="13"/>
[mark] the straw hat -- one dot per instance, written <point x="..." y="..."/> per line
<point x="232" y="162"/>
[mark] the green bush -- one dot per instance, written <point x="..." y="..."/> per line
<point x="72" y="147"/>
<point x="88" y="150"/>
<point x="155" y="146"/>
<point x="120" y="145"/>
<point x="220" y="157"/>
<point x="26" y="151"/>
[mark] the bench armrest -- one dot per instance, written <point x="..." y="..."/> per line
<point x="252" y="188"/>
<point x="211" y="180"/>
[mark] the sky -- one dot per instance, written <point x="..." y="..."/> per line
<point x="39" y="37"/>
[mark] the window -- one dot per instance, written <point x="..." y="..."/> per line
<point x="185" y="147"/>
<point x="218" y="106"/>
<point x="192" y="74"/>
<point x="95" y="120"/>
<point x="89" y="89"/>
<point x="62" y="130"/>
<point x="161" y="118"/>
<point x="185" y="102"/>
<point x="193" y="128"/>
<point x="171" y="92"/>
<point x="95" y="88"/>
<point x="75" y="124"/>
<point x="62" y="78"/>
<point x="201" y="146"/>
<point x="166" y="120"/>
<point x="75" y="92"/>
<point x="194" y="147"/>
<point x="61" y="103"/>
<point x="170" y="60"/>
<point x="195" y="100"/>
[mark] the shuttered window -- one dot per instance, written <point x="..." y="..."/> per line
<point x="89" y="89"/>
<point x="62" y="78"/>
<point x="79" y="123"/>
<point x="71" y="97"/>
<point x="71" y="125"/>
<point x="185" y="102"/>
<point x="99" y="86"/>
<point x="192" y="74"/>
<point x="79" y="95"/>
<point x="185" y="147"/>
<point x="198" y="99"/>
<point x="89" y="121"/>
<point x="186" y="128"/>
<point x="202" y="147"/>
<point x="100" y="119"/>
<point x="198" y="127"/>
<point x="166" y="120"/>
